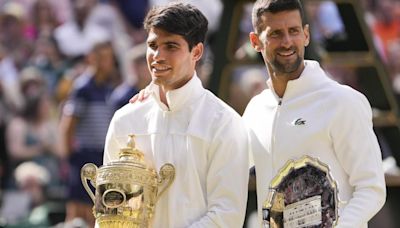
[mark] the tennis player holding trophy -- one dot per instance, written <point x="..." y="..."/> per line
<point x="183" y="124"/>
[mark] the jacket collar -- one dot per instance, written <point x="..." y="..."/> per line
<point x="180" y="97"/>
<point x="312" y="77"/>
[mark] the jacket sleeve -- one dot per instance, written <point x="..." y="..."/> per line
<point x="227" y="177"/>
<point x="112" y="146"/>
<point x="358" y="151"/>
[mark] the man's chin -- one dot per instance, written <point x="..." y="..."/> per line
<point x="287" y="67"/>
<point x="158" y="81"/>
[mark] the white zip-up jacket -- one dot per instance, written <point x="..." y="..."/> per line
<point x="334" y="124"/>
<point x="207" y="143"/>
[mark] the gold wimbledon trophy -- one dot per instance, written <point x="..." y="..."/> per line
<point x="303" y="194"/>
<point x="126" y="190"/>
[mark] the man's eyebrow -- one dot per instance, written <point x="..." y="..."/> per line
<point x="172" y="43"/>
<point x="296" y="27"/>
<point x="281" y="29"/>
<point x="166" y="42"/>
<point x="151" y="42"/>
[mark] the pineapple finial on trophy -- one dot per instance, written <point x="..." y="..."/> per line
<point x="130" y="152"/>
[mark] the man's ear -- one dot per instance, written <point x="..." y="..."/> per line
<point x="255" y="41"/>
<point x="197" y="51"/>
<point x="307" y="35"/>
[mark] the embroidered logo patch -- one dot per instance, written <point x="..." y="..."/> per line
<point x="299" y="121"/>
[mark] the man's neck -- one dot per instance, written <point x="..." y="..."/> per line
<point x="279" y="84"/>
<point x="280" y="80"/>
<point x="163" y="96"/>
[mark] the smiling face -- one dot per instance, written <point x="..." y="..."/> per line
<point x="282" y="42"/>
<point x="170" y="62"/>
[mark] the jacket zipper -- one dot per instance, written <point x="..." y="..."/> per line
<point x="273" y="139"/>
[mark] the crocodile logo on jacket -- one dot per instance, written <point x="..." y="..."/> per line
<point x="299" y="121"/>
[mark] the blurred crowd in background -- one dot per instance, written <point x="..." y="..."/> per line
<point x="48" y="47"/>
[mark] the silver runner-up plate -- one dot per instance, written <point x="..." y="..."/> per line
<point x="302" y="194"/>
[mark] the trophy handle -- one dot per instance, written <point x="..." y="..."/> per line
<point x="89" y="172"/>
<point x="166" y="177"/>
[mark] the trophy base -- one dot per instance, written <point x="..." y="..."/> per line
<point x="117" y="221"/>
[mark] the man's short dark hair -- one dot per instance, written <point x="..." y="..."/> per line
<point x="181" y="19"/>
<point x="274" y="6"/>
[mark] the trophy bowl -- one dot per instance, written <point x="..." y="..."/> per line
<point x="126" y="190"/>
<point x="303" y="194"/>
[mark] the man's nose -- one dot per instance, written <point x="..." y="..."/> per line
<point x="286" y="40"/>
<point x="158" y="55"/>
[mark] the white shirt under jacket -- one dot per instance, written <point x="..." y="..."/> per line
<point x="207" y="143"/>
<point x="337" y="130"/>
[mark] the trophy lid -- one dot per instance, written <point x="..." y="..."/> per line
<point x="131" y="154"/>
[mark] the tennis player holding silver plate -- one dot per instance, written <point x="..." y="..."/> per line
<point x="304" y="112"/>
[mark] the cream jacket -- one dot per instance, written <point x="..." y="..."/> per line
<point x="336" y="128"/>
<point x="207" y="143"/>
